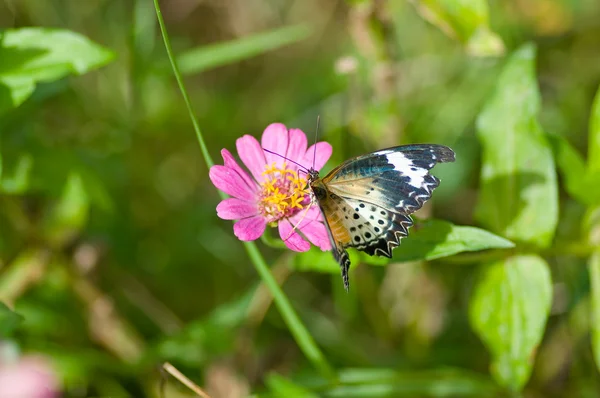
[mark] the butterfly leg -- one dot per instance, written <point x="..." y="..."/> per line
<point x="295" y="227"/>
<point x="341" y="256"/>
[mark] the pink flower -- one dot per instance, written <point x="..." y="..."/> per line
<point x="30" y="377"/>
<point x="275" y="193"/>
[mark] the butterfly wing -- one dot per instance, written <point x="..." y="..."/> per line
<point x="370" y="198"/>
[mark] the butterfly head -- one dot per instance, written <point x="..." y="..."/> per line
<point x="316" y="184"/>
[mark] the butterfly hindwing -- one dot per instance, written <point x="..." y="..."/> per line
<point x="374" y="229"/>
<point x="367" y="201"/>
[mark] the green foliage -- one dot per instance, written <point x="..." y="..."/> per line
<point x="281" y="387"/>
<point x="581" y="181"/>
<point x="428" y="240"/>
<point x="594" y="138"/>
<point x="519" y="195"/>
<point x="34" y="55"/>
<point x="468" y="20"/>
<point x="369" y="382"/>
<point x="197" y="60"/>
<point x="508" y="311"/>
<point x="595" y="303"/>
<point x="69" y="215"/>
<point x="572" y="169"/>
<point x="114" y="260"/>
<point x="9" y="321"/>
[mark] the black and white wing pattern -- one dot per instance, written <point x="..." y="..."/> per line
<point x="367" y="201"/>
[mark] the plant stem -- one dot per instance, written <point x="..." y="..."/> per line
<point x="293" y="322"/>
<point x="299" y="331"/>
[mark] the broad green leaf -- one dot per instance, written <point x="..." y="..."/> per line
<point x="33" y="55"/>
<point x="465" y="20"/>
<point x="279" y="386"/>
<point x="519" y="194"/>
<point x="594" y="268"/>
<point x="429" y="240"/>
<point x="594" y="138"/>
<point x="508" y="311"/>
<point x="579" y="182"/>
<point x="202" y="58"/>
<point x="70" y="214"/>
<point x="436" y="239"/>
<point x="9" y="321"/>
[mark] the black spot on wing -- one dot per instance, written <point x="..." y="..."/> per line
<point x="384" y="244"/>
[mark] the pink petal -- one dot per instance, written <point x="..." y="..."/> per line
<point x="230" y="182"/>
<point x="235" y="209"/>
<point x="31" y="377"/>
<point x="292" y="239"/>
<point x="230" y="162"/>
<point x="250" y="228"/>
<point x="252" y="155"/>
<point x="296" y="147"/>
<point x="275" y="139"/>
<point x="317" y="234"/>
<point x="322" y="155"/>
<point x="314" y="213"/>
<point x="311" y="226"/>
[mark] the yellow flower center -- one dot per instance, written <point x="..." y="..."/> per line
<point x="283" y="193"/>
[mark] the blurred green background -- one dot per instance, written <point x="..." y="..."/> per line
<point x="110" y="247"/>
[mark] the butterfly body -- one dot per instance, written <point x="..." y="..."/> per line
<point x="366" y="201"/>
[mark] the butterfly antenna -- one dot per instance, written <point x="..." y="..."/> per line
<point x="289" y="160"/>
<point x="316" y="136"/>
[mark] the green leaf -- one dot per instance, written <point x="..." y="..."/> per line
<point x="519" y="194"/>
<point x="594" y="268"/>
<point x="279" y="386"/>
<point x="70" y="214"/>
<point x="33" y="55"/>
<point x="436" y="239"/>
<point x="594" y="137"/>
<point x="579" y="182"/>
<point x="508" y="311"/>
<point x="9" y="321"/>
<point x="428" y="240"/>
<point x="465" y="20"/>
<point x="203" y="58"/>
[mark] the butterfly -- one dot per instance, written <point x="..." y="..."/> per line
<point x="366" y="202"/>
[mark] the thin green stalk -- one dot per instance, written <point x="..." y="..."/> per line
<point x="293" y="322"/>
<point x="300" y="333"/>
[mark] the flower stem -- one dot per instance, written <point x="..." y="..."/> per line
<point x="293" y="322"/>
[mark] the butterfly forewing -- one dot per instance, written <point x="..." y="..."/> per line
<point x="367" y="201"/>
